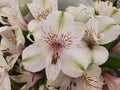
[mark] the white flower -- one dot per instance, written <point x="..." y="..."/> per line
<point x="41" y="8"/>
<point x="81" y="13"/>
<point x="11" y="15"/>
<point x="99" y="31"/>
<point x="4" y="77"/>
<point x="12" y="43"/>
<point x="90" y="80"/>
<point x="56" y="49"/>
<point x="107" y="9"/>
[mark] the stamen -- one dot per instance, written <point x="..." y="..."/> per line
<point x="92" y="38"/>
<point x="90" y="81"/>
<point x="56" y="43"/>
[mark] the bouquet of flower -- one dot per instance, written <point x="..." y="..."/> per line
<point x="46" y="47"/>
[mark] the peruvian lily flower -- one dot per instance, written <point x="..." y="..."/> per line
<point x="81" y="13"/>
<point x="113" y="83"/>
<point x="11" y="15"/>
<point x="4" y="77"/>
<point x="90" y="80"/>
<point x="99" y="31"/>
<point x="12" y="43"/>
<point x="54" y="51"/>
<point x="106" y="9"/>
<point x="41" y="8"/>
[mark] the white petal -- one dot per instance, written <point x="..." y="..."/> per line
<point x="34" y="58"/>
<point x="74" y="62"/>
<point x="3" y="63"/>
<point x="34" y="28"/>
<point x="19" y="37"/>
<point x="99" y="55"/>
<point x="110" y="34"/>
<point x="81" y="13"/>
<point x="62" y="21"/>
<point x="52" y="70"/>
<point x="117" y="17"/>
<point x="6" y="85"/>
<point x="104" y="22"/>
<point x="92" y="24"/>
<point x="92" y="69"/>
<point x="41" y="8"/>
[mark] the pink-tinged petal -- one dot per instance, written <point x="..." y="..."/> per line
<point x="17" y="14"/>
<point x="52" y="69"/>
<point x="117" y="47"/>
<point x="5" y="84"/>
<point x="41" y="8"/>
<point x="74" y="62"/>
<point x="3" y="63"/>
<point x="99" y="55"/>
<point x="112" y="82"/>
<point x="13" y="15"/>
<point x="34" y="58"/>
<point x="91" y="79"/>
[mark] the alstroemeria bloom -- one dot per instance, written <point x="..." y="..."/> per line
<point x="57" y="48"/>
<point x="113" y="83"/>
<point x="11" y="15"/>
<point x="99" y="31"/>
<point x="106" y="9"/>
<point x="81" y="13"/>
<point x="41" y="8"/>
<point x="4" y="77"/>
<point x="90" y="80"/>
<point x="12" y="43"/>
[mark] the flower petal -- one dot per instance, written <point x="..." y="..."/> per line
<point x="34" y="28"/>
<point x="74" y="64"/>
<point x="41" y="8"/>
<point x="52" y="70"/>
<point x="113" y="82"/>
<point x="99" y="55"/>
<point x="108" y="29"/>
<point x="110" y="34"/>
<point x="62" y="21"/>
<point x="34" y="58"/>
<point x="81" y="13"/>
<point x="3" y="63"/>
<point x="5" y="85"/>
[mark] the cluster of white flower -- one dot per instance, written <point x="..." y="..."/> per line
<point x="68" y="46"/>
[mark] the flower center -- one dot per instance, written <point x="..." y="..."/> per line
<point x="92" y="38"/>
<point x="91" y="81"/>
<point x="56" y="43"/>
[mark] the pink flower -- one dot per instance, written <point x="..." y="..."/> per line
<point x="112" y="82"/>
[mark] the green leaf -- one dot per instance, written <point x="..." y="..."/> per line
<point x="113" y="61"/>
